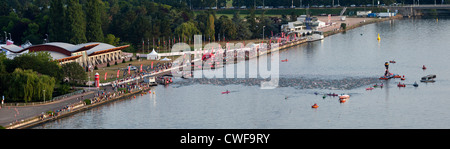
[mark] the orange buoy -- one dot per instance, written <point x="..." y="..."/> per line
<point x="315" y="106"/>
<point x="134" y="96"/>
<point x="342" y="100"/>
<point x="344" y="96"/>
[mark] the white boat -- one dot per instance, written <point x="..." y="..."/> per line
<point x="428" y="78"/>
<point x="344" y="96"/>
<point x="315" y="35"/>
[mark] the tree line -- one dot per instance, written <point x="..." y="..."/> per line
<point x="123" y="22"/>
<point x="136" y="22"/>
<point x="36" y="76"/>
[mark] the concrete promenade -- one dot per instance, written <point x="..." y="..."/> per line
<point x="10" y="114"/>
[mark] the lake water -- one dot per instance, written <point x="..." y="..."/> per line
<point x="355" y="54"/>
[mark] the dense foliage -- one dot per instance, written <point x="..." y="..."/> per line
<point x="24" y="78"/>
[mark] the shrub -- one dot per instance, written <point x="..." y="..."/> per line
<point x="123" y="60"/>
<point x="115" y="63"/>
<point x="87" y="101"/>
<point x="96" y="68"/>
<point x="131" y="59"/>
<point x="343" y="26"/>
<point x="107" y="65"/>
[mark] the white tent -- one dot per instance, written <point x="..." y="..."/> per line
<point x="153" y="55"/>
<point x="166" y="59"/>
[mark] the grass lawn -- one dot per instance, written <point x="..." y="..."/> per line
<point x="112" y="70"/>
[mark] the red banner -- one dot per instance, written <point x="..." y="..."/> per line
<point x="106" y="75"/>
<point x="118" y="73"/>
<point x="141" y="68"/>
<point x="152" y="65"/>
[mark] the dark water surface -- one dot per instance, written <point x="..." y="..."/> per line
<point x="355" y="54"/>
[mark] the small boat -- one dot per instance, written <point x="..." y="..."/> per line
<point x="315" y="106"/>
<point x="334" y="94"/>
<point x="392" y="61"/>
<point x="428" y="78"/>
<point x="370" y="88"/>
<point x="315" y="35"/>
<point x="284" y="60"/>
<point x="226" y="92"/>
<point x="344" y="96"/>
<point x="401" y="85"/>
<point x="415" y="84"/>
<point x="342" y="100"/>
<point x="397" y="76"/>
<point x="402" y="79"/>
<point x="384" y="78"/>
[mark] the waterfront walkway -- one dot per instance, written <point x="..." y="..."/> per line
<point x="10" y="114"/>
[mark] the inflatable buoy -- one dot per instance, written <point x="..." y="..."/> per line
<point x="315" y="106"/>
<point x="402" y="79"/>
<point x="342" y="100"/>
<point x="344" y="96"/>
<point x="401" y="85"/>
<point x="370" y="88"/>
<point x="285" y="60"/>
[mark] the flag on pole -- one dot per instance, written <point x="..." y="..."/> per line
<point x="106" y="75"/>
<point x="129" y="69"/>
<point x="141" y="68"/>
<point x="152" y="66"/>
<point x="118" y="73"/>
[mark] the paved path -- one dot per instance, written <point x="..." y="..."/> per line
<point x="9" y="114"/>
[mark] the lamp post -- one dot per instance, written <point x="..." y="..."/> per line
<point x="263" y="31"/>
<point x="44" y="96"/>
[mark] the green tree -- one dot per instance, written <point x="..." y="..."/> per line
<point x="56" y="21"/>
<point x="40" y="62"/>
<point x="209" y="30"/>
<point x="251" y="19"/>
<point x="77" y="23"/>
<point x="94" y="32"/>
<point x="32" y="34"/>
<point x="242" y="30"/>
<point x="112" y="40"/>
<point x="186" y="30"/>
<point x="29" y="86"/>
<point x="74" y="73"/>
<point x="225" y="27"/>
